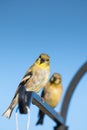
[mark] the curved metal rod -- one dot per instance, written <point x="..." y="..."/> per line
<point x="71" y="89"/>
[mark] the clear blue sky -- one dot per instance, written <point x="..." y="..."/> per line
<point x="55" y="27"/>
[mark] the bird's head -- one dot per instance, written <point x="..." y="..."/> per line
<point x="56" y="78"/>
<point x="43" y="60"/>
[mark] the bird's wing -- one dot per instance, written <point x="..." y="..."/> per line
<point x="27" y="76"/>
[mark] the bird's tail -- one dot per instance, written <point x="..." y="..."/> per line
<point x="41" y="118"/>
<point x="8" y="113"/>
<point x="9" y="110"/>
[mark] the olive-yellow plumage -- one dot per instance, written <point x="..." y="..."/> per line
<point x="35" y="78"/>
<point x="51" y="94"/>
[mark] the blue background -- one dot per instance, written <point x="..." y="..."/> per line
<point x="29" y="28"/>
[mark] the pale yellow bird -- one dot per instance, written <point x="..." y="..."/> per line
<point x="35" y="78"/>
<point x="51" y="94"/>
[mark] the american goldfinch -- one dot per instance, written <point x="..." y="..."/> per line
<point x="51" y="94"/>
<point x="35" y="78"/>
